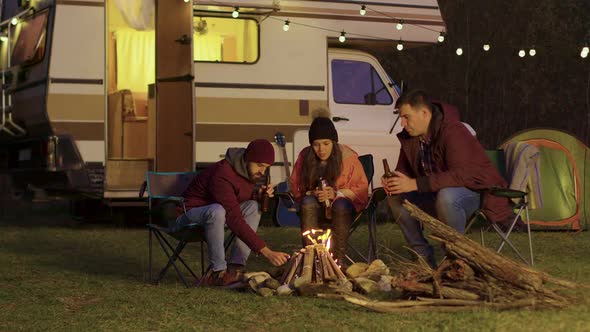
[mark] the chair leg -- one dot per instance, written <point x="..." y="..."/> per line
<point x="162" y="240"/>
<point x="150" y="255"/>
<point x="172" y="259"/>
<point x="528" y="229"/>
<point x="372" y="236"/>
<point x="506" y="240"/>
<point x="202" y="259"/>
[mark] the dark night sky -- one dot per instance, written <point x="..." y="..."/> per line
<point x="497" y="92"/>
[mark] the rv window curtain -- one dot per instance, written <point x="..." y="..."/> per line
<point x="136" y="59"/>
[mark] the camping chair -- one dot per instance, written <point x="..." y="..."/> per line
<point x="369" y="212"/>
<point x="521" y="206"/>
<point x="164" y="190"/>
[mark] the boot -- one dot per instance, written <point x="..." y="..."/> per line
<point x="341" y="220"/>
<point x="309" y="220"/>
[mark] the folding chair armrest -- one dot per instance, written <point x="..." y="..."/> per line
<point x="507" y="193"/>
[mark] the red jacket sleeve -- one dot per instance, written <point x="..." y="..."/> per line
<point x="225" y="194"/>
<point x="356" y="181"/>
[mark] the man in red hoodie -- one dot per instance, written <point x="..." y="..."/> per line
<point x="442" y="168"/>
<point x="224" y="194"/>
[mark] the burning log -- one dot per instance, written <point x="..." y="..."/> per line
<point x="313" y="264"/>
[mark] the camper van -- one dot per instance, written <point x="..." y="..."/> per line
<point x="97" y="92"/>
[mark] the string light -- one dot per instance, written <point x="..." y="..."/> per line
<point x="286" y="25"/>
<point x="441" y="37"/>
<point x="400" y="25"/>
<point x="14" y="21"/>
<point x="400" y="45"/>
<point x="363" y="10"/>
<point x="532" y="52"/>
<point x="3" y="38"/>
<point x="584" y="53"/>
<point x="586" y="49"/>
<point x="342" y="37"/>
<point x="236" y="12"/>
<point x="486" y="47"/>
<point x="521" y="53"/>
<point x="186" y="1"/>
<point x="459" y="51"/>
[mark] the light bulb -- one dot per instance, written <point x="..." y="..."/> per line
<point x="363" y="10"/>
<point x="342" y="37"/>
<point x="236" y="12"/>
<point x="486" y="47"/>
<point x="286" y="25"/>
<point x="14" y="21"/>
<point x="400" y="25"/>
<point x="532" y="52"/>
<point x="459" y="51"/>
<point x="3" y="39"/>
<point x="521" y="53"/>
<point x="186" y="0"/>
<point x="584" y="55"/>
<point x="586" y="49"/>
<point x="441" y="37"/>
<point x="400" y="45"/>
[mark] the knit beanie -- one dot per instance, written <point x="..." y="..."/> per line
<point x="322" y="128"/>
<point x="260" y="151"/>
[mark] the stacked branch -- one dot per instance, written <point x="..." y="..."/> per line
<point x="476" y="272"/>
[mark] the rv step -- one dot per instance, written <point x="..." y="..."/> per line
<point x="126" y="174"/>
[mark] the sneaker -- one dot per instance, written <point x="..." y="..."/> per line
<point x="219" y="279"/>
<point x="236" y="269"/>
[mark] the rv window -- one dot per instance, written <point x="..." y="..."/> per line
<point x="357" y="82"/>
<point x="30" y="43"/>
<point x="219" y="39"/>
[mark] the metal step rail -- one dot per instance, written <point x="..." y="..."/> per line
<point x="6" y="119"/>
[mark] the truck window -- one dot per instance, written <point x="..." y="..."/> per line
<point x="30" y="43"/>
<point x="219" y="39"/>
<point x="357" y="82"/>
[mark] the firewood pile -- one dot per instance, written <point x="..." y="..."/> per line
<point x="472" y="277"/>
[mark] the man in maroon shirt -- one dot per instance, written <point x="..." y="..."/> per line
<point x="442" y="168"/>
<point x="224" y="194"/>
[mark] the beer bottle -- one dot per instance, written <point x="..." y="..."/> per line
<point x="265" y="200"/>
<point x="387" y="173"/>
<point x="328" y="207"/>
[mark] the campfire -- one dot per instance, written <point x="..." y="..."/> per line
<point x="471" y="278"/>
<point x="314" y="263"/>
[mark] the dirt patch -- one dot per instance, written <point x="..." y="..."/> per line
<point x="77" y="303"/>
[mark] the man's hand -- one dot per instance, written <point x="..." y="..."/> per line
<point x="276" y="258"/>
<point x="325" y="194"/>
<point x="270" y="190"/>
<point x="399" y="184"/>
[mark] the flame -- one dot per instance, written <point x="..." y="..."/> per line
<point x="319" y="236"/>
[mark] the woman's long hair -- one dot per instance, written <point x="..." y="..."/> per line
<point x="312" y="169"/>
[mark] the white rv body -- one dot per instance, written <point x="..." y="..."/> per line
<point x="234" y="102"/>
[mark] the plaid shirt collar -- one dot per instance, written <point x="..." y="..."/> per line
<point x="427" y="164"/>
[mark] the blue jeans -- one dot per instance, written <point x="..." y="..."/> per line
<point x="212" y="219"/>
<point x="452" y="205"/>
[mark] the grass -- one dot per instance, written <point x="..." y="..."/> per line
<point x="55" y="276"/>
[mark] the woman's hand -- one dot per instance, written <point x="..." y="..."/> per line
<point x="327" y="193"/>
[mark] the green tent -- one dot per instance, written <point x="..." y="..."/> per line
<point x="564" y="168"/>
